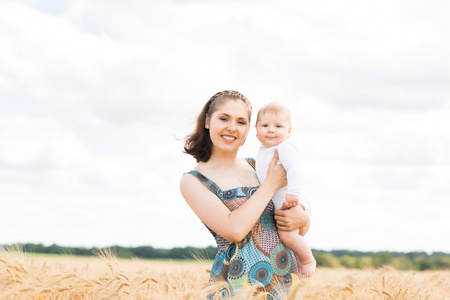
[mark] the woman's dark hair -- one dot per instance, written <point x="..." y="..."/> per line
<point x="198" y="143"/>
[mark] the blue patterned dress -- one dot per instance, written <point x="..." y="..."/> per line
<point x="259" y="259"/>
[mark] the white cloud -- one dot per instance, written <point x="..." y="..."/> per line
<point x="29" y="142"/>
<point x="92" y="104"/>
<point x="373" y="57"/>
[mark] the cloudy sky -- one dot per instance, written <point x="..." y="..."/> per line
<point x="95" y="97"/>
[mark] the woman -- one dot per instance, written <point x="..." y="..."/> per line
<point x="225" y="194"/>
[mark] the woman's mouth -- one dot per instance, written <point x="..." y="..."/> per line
<point x="228" y="138"/>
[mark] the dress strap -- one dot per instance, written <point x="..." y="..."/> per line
<point x="251" y="161"/>
<point x="211" y="185"/>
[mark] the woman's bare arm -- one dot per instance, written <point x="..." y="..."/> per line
<point x="232" y="225"/>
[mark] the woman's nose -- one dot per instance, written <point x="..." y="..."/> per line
<point x="231" y="126"/>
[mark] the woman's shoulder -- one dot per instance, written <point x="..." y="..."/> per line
<point x="187" y="177"/>
<point x="197" y="168"/>
<point x="190" y="175"/>
<point x="199" y="174"/>
<point x="193" y="174"/>
<point x="192" y="181"/>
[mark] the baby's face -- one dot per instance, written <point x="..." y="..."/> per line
<point x="272" y="129"/>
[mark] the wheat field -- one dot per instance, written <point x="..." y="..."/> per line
<point x="107" y="277"/>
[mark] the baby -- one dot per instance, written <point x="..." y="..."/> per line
<point x="273" y="126"/>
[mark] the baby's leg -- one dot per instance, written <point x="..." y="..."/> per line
<point x="298" y="244"/>
<point x="290" y="201"/>
<point x="303" y="230"/>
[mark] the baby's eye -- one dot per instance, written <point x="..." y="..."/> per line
<point x="265" y="125"/>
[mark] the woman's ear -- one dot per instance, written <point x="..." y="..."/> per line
<point x="207" y="122"/>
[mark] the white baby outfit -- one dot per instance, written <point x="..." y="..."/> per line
<point x="288" y="157"/>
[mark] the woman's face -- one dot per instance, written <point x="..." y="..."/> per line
<point x="228" y="125"/>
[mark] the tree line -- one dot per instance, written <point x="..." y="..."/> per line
<point x="400" y="260"/>
<point x="331" y="259"/>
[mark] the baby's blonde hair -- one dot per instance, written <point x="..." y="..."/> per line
<point x="275" y="108"/>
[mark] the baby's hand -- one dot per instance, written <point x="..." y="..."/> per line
<point x="291" y="201"/>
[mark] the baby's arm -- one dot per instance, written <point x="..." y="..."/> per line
<point x="288" y="157"/>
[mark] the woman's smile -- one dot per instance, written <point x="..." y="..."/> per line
<point x="229" y="138"/>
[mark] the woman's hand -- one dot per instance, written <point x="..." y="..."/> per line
<point x="293" y="219"/>
<point x="276" y="173"/>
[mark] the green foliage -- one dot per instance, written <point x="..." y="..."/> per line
<point x="380" y="259"/>
<point x="326" y="260"/>
<point x="355" y="262"/>
<point x="122" y="251"/>
<point x="340" y="253"/>
<point x="329" y="259"/>
<point x="437" y="261"/>
<point x="402" y="262"/>
<point x="363" y="262"/>
<point x="348" y="261"/>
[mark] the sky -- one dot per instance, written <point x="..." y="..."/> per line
<point x="97" y="96"/>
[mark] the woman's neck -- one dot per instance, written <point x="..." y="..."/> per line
<point x="220" y="160"/>
<point x="227" y="171"/>
<point x="226" y="160"/>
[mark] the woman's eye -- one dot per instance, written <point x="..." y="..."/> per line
<point x="223" y="119"/>
<point x="242" y="123"/>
